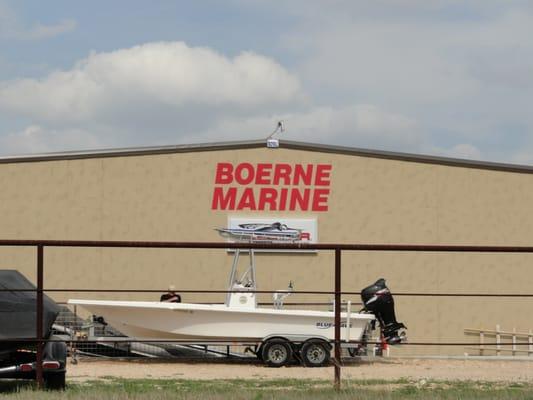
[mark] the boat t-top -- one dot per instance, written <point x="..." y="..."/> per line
<point x="280" y="335"/>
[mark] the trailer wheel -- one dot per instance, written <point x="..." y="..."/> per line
<point x="315" y="353"/>
<point x="276" y="353"/>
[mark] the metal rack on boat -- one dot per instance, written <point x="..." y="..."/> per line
<point x="255" y="233"/>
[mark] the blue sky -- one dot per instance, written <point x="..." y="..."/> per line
<point x="448" y="78"/>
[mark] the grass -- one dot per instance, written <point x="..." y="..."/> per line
<point x="163" y="389"/>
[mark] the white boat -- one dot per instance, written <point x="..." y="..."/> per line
<point x="279" y="332"/>
<point x="241" y="320"/>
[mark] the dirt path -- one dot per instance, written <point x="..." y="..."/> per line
<point x="495" y="371"/>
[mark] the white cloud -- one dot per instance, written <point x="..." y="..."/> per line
<point x="36" y="139"/>
<point x="150" y="94"/>
<point x="40" y="31"/>
<point x="356" y="125"/>
<point x="11" y="27"/>
<point x="363" y="126"/>
<point x="440" y="61"/>
<point x="463" y="150"/>
<point x="523" y="156"/>
<point x="165" y="93"/>
<point x="169" y="74"/>
<point x="385" y="77"/>
<point x="353" y="125"/>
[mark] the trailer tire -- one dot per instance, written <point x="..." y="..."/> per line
<point x="315" y="353"/>
<point x="276" y="352"/>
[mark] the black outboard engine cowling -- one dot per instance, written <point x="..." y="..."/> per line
<point x="378" y="300"/>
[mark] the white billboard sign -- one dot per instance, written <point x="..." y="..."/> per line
<point x="308" y="226"/>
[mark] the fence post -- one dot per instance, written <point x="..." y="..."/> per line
<point x="39" y="318"/>
<point x="337" y="318"/>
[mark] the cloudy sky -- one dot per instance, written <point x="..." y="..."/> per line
<point x="451" y="78"/>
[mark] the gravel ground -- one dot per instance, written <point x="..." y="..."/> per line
<point x="476" y="370"/>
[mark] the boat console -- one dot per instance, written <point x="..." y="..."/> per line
<point x="243" y="297"/>
<point x="377" y="299"/>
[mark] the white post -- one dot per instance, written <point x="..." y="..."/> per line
<point x="74" y="337"/>
<point x="252" y="267"/>
<point x="498" y="342"/>
<point x="514" y="341"/>
<point x="348" y="321"/>
<point x="481" y="342"/>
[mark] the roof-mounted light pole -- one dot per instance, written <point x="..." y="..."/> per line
<point x="273" y="143"/>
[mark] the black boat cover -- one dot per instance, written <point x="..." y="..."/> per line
<point x="18" y="310"/>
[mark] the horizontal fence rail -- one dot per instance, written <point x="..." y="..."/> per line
<point x="273" y="246"/>
<point x="125" y="339"/>
<point x="337" y="248"/>
<point x="317" y="292"/>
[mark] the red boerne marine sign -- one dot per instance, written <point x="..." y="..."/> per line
<point x="271" y="187"/>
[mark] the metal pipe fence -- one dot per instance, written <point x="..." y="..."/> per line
<point x="39" y="340"/>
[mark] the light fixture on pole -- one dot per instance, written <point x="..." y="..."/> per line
<point x="273" y="143"/>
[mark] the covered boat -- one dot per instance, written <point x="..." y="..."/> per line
<point x="18" y="310"/>
<point x="18" y="324"/>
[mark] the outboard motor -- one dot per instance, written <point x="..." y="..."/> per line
<point x="378" y="300"/>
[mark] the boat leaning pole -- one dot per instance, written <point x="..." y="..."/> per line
<point x="252" y="267"/>
<point x="337" y="363"/>
<point x="236" y="255"/>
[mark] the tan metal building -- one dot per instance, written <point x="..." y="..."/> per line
<point x="180" y="193"/>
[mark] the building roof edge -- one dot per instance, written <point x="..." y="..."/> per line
<point x="410" y="157"/>
<point x="249" y="144"/>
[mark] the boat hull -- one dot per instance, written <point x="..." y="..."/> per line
<point x="174" y="321"/>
